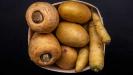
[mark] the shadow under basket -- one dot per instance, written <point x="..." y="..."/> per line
<point x="56" y="68"/>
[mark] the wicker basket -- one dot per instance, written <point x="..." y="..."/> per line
<point x="55" y="68"/>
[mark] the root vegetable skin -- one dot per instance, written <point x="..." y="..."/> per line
<point x="102" y="32"/>
<point x="74" y="12"/>
<point x="68" y="58"/>
<point x="72" y="34"/>
<point x="96" y="56"/>
<point x="44" y="49"/>
<point x="83" y="58"/>
<point x="42" y="17"/>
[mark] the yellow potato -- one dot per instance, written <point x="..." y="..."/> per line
<point x="68" y="58"/>
<point x="102" y="32"/>
<point x="83" y="58"/>
<point x="96" y="54"/>
<point x="74" y="11"/>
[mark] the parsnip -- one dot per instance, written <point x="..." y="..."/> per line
<point x="83" y="58"/>
<point x="102" y="32"/>
<point x="96" y="54"/>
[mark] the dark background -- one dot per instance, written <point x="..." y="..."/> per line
<point x="118" y="19"/>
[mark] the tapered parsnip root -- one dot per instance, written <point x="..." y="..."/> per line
<point x="96" y="56"/>
<point x="83" y="58"/>
<point x="102" y="32"/>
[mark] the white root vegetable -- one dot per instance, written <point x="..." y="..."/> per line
<point x="102" y="32"/>
<point x="83" y="58"/>
<point x="96" y="54"/>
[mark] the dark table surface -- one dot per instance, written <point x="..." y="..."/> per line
<point x="14" y="59"/>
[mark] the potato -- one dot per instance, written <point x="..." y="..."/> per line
<point x="68" y="58"/>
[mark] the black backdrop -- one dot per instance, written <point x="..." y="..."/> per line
<point x="117" y="15"/>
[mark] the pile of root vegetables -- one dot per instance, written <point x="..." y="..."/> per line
<point x="69" y="36"/>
